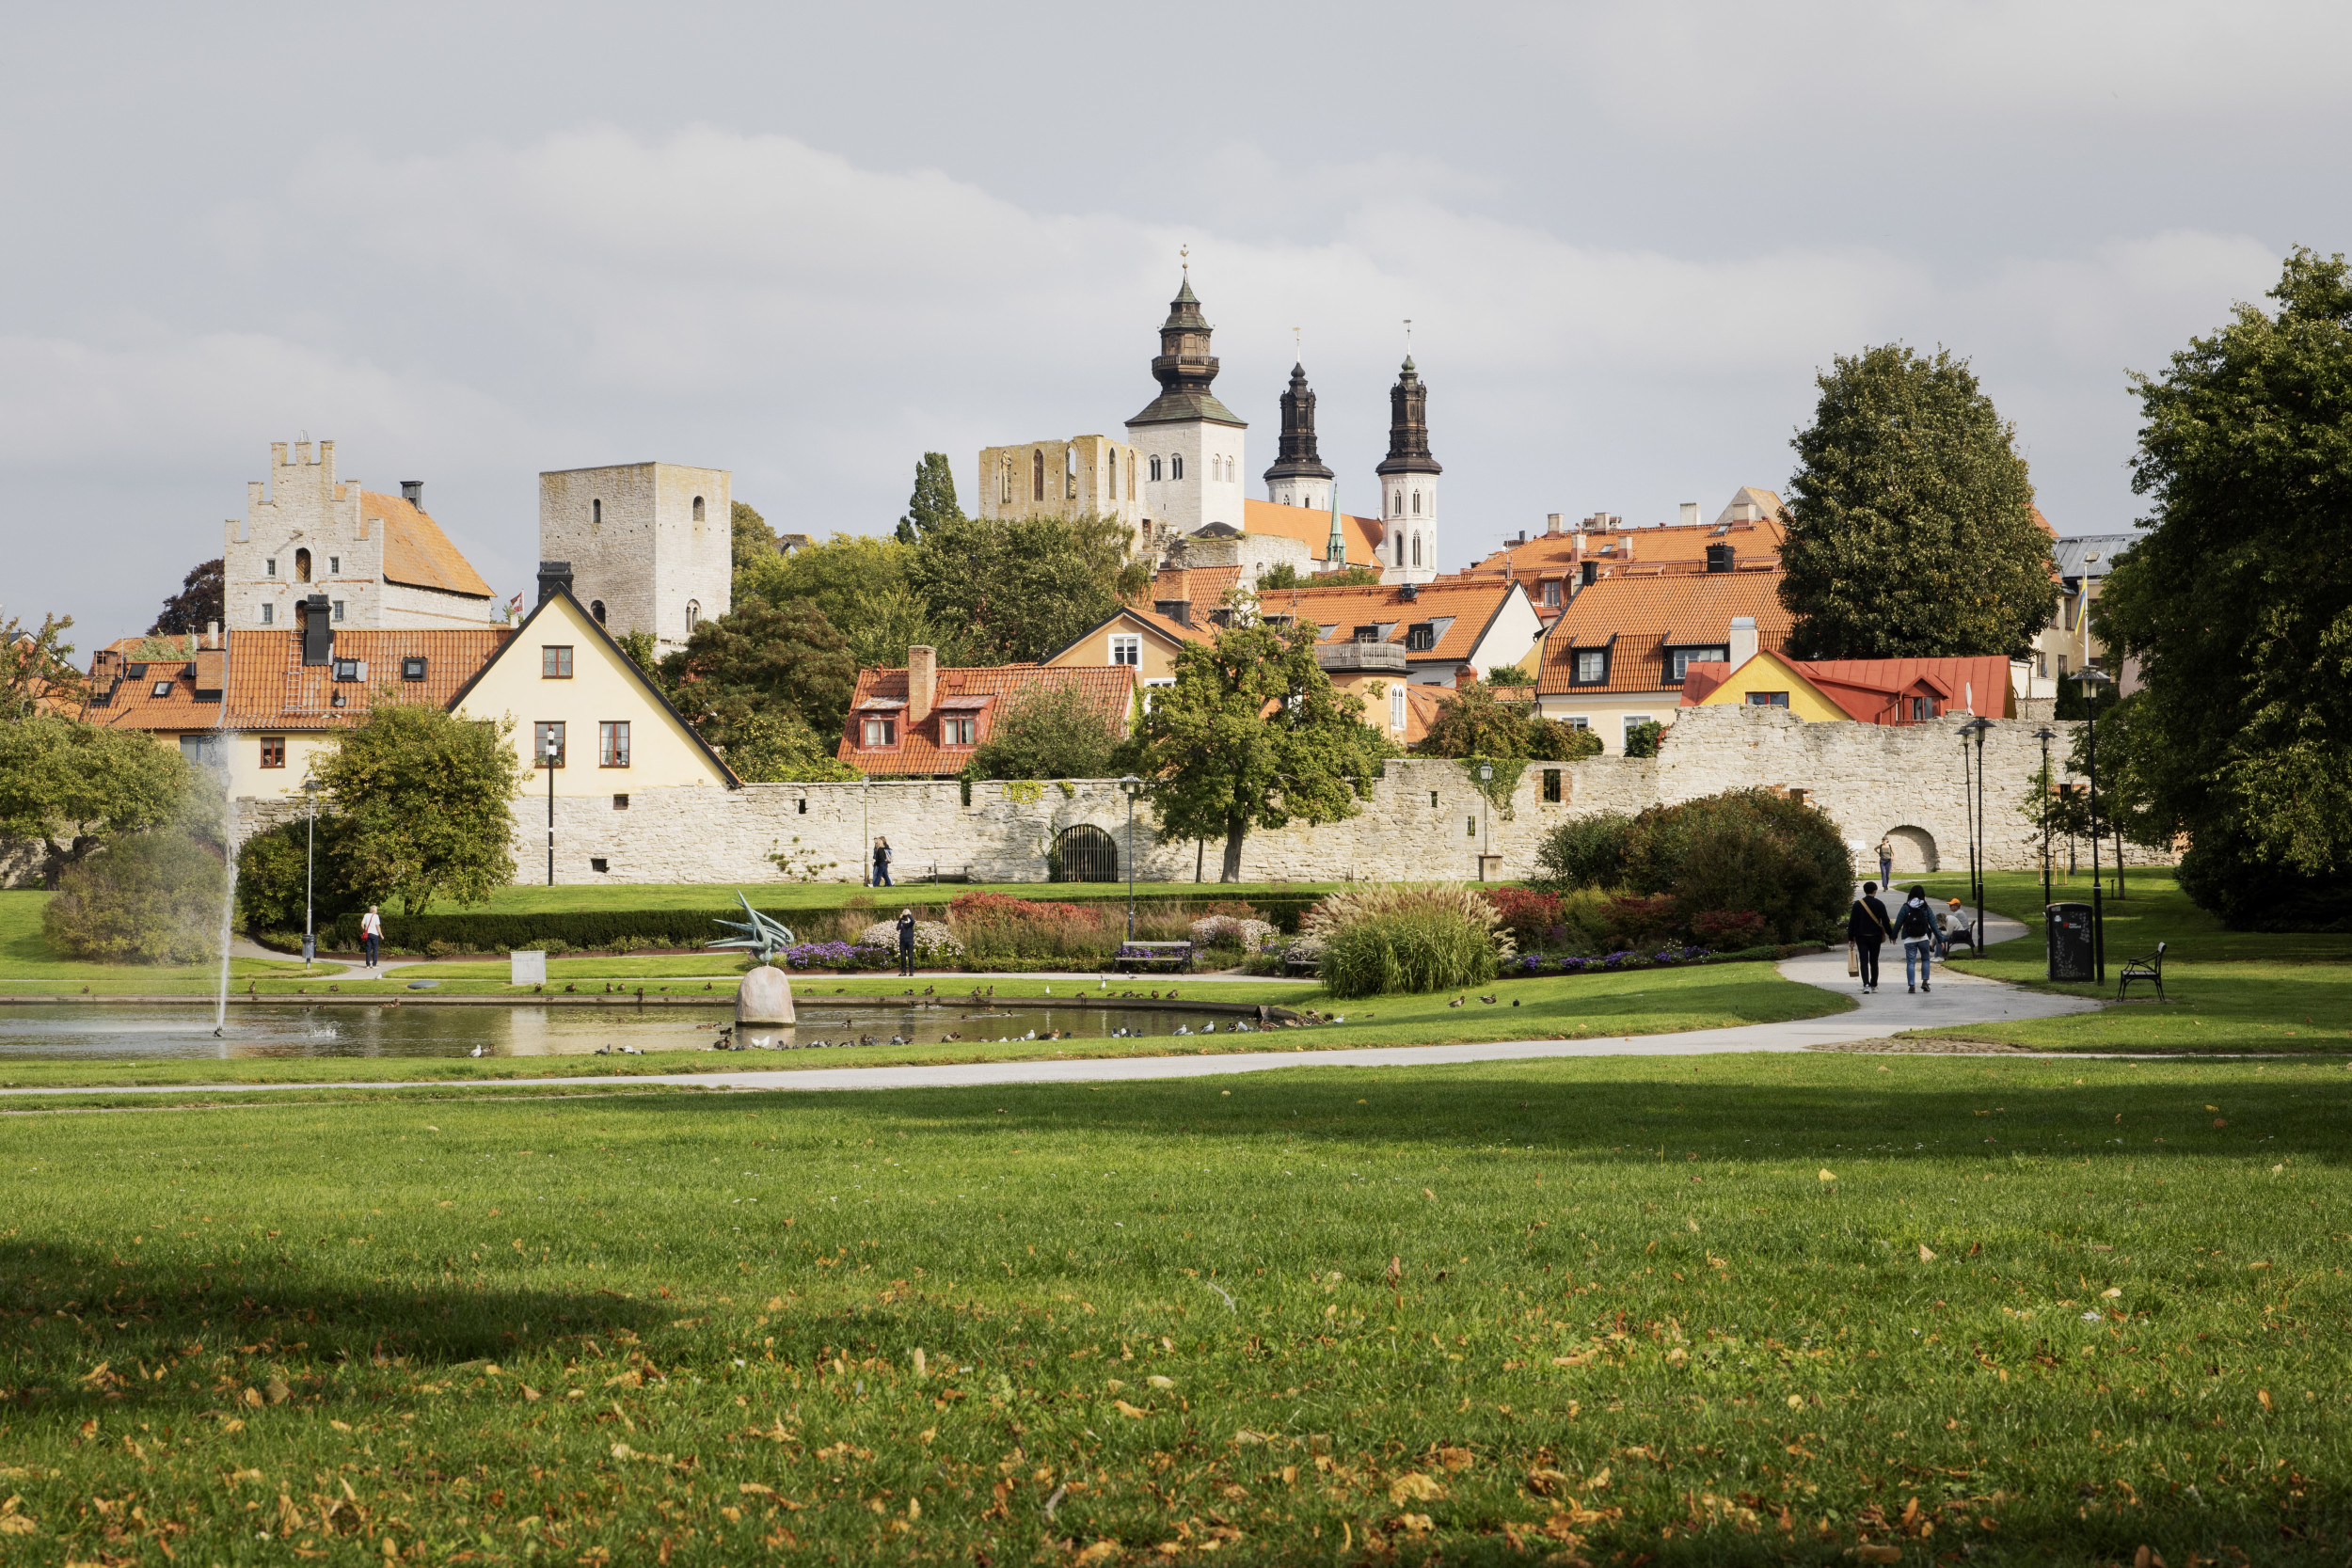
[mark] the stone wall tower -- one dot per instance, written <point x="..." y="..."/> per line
<point x="652" y="545"/>
<point x="1190" y="443"/>
<point x="1408" y="485"/>
<point x="1298" y="477"/>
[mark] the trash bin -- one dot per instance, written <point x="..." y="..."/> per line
<point x="2071" y="956"/>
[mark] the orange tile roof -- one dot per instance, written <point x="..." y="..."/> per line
<point x="1611" y="550"/>
<point x="1151" y="620"/>
<point x="1642" y="613"/>
<point x="121" y="700"/>
<point x="269" y="687"/>
<point x="417" y="552"/>
<point x="1202" y="587"/>
<point x="1361" y="536"/>
<point x="1466" y="608"/>
<point x="1109" y="689"/>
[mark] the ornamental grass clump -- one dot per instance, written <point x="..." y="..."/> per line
<point x="1407" y="937"/>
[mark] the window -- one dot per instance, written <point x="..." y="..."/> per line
<point x="1432" y="799"/>
<point x="1396" y="503"/>
<point x="1768" y="699"/>
<point x="613" y="743"/>
<point x="350" y="670"/>
<point x="1127" y="648"/>
<point x="1113" y="459"/>
<point x="1680" y="660"/>
<point x="1421" y="639"/>
<point x="162" y="689"/>
<point x="1400" y="549"/>
<point x="620" y="803"/>
<point x="1800" y="796"/>
<point x="803" y="803"/>
<point x="334" y="565"/>
<point x="543" y="733"/>
<point x="1469" y="826"/>
<point x="273" y="751"/>
<point x="1552" y="592"/>
<point x="956" y="732"/>
<point x="1416" y="549"/>
<point x="412" y="668"/>
<point x="1577" y="722"/>
<point x="339" y="609"/>
<point x="1069" y="473"/>
<point x="882" y="732"/>
<point x="1037" y="474"/>
<point x="1176" y="467"/>
<point x="555" y="664"/>
<point x="202" y="750"/>
<point x="698" y="509"/>
<point x="597" y="862"/>
<point x="693" y="615"/>
<point x="1551" y="786"/>
<point x="1591" y="667"/>
<point x="269" y="567"/>
<point x="1921" y="711"/>
<point x="1396" y="707"/>
<point x="269" y="612"/>
<point x="595" y="608"/>
<point x="1415" y="503"/>
<point x="2041" y="665"/>
<point x="302" y="565"/>
<point x="2061" y="660"/>
<point x="595" y="513"/>
<point x="136" y="672"/>
<point x="1155" y="470"/>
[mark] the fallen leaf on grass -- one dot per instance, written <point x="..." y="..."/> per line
<point x="1546" y="1484"/>
<point x="1414" y="1487"/>
<point x="1828" y="1175"/>
<point x="1101" y="1551"/>
<point x="1130" y="1411"/>
<point x="1457" y="1459"/>
<point x="1877" y="1554"/>
<point x="1925" y="1256"/>
<point x="1158" y="1382"/>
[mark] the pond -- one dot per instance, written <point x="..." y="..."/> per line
<point x="93" y="1031"/>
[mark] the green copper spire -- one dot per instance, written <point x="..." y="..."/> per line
<point x="1335" y="550"/>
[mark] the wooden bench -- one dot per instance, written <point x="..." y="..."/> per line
<point x="1308" y="967"/>
<point x="2150" y="967"/>
<point x="1177" y="956"/>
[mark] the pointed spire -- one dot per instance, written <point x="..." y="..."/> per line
<point x="1185" y="368"/>
<point x="1297" y="459"/>
<point x="1409" y="425"/>
<point x="1335" y="548"/>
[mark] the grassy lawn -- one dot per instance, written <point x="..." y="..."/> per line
<point x="2044" y="1311"/>
<point x="522" y="899"/>
<point x="1649" y="1003"/>
<point x="26" y="954"/>
<point x="2230" y="990"/>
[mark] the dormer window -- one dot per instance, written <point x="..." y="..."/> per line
<point x="881" y="731"/>
<point x="1588" y="667"/>
<point x="1421" y="639"/>
<point x="1680" y="660"/>
<point x="958" y="732"/>
<point x="412" y="668"/>
<point x="350" y="670"/>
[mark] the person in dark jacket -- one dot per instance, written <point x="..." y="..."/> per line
<point x="1915" y="927"/>
<point x="906" y="941"/>
<point x="882" y="863"/>
<point x="1867" y="928"/>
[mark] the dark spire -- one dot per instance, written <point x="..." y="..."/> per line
<point x="1408" y="426"/>
<point x="1297" y="459"/>
<point x="1185" y="368"/>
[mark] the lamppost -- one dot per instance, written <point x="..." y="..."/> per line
<point x="1131" y="787"/>
<point x="865" y="821"/>
<point x="1977" y="728"/>
<point x="1486" y="817"/>
<point x="554" y="749"/>
<point x="2045" y="735"/>
<point x="310" y="880"/>
<point x="2092" y="680"/>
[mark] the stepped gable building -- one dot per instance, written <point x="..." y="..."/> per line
<point x="651" y="545"/>
<point x="378" y="560"/>
<point x="1408" y="482"/>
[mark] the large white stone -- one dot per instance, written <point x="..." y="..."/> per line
<point x="766" y="997"/>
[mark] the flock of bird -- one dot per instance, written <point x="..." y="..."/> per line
<point x="1463" y="1001"/>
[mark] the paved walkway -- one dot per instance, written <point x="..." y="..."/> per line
<point x="1956" y="999"/>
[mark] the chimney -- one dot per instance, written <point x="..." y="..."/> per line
<point x="922" y="681"/>
<point x="318" y="632"/>
<point x="211" y="667"/>
<point x="1626" y="550"/>
<point x="554" y="576"/>
<point x="1720" y="557"/>
<point x="212" y="634"/>
<point x="1551" y="522"/>
<point x="412" y="491"/>
<point x="1410" y="593"/>
<point x="1742" y="640"/>
<point x="1522" y="536"/>
<point x="1689" y="514"/>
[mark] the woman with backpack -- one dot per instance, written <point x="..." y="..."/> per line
<point x="1915" y="927"/>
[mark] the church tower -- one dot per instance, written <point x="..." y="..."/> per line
<point x="1298" y="477"/>
<point x="1408" y="485"/>
<point x="1189" y="443"/>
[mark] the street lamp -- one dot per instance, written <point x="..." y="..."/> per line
<point x="2092" y="680"/>
<point x="2045" y="735"/>
<point x="1131" y="787"/>
<point x="1976" y="729"/>
<point x="310" y="880"/>
<point x="554" y="749"/>
<point x="1486" y="817"/>
<point x="865" y="819"/>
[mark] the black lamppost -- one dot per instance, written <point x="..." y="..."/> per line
<point x="1131" y="787"/>
<point x="2045" y="735"/>
<point x="554" y="749"/>
<point x="2092" y="680"/>
<point x="310" y="880"/>
<point x="1977" y="728"/>
<point x="1486" y="817"/>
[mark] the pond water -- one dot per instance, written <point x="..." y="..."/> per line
<point x="87" y="1032"/>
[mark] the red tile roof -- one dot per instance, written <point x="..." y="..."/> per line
<point x="1637" y="619"/>
<point x="1109" y="689"/>
<point x="1553" y="555"/>
<point x="1458" y="610"/>
<point x="1361" y="536"/>
<point x="1202" y="587"/>
<point x="417" y="552"/>
<point x="123" y="678"/>
<point x="1869" y="688"/>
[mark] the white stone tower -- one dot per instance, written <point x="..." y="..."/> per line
<point x="1408" y="485"/>
<point x="1190" y="443"/>
<point x="651" y="545"/>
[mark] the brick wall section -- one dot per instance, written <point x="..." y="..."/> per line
<point x="1871" y="781"/>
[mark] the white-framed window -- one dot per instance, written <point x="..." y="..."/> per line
<point x="882" y="732"/>
<point x="1127" y="648"/>
<point x="269" y="612"/>
<point x="269" y="567"/>
<point x="1160" y="680"/>
<point x="1684" y="658"/>
<point x="613" y="743"/>
<point x="958" y="732"/>
<point x="1577" y="721"/>
<point x="1552" y="592"/>
<point x="1396" y="707"/>
<point x="1591" y="667"/>
<point x="544" y="733"/>
<point x="334" y="565"/>
<point x="339" y="609"/>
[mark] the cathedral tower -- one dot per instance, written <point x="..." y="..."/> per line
<point x="1408" y="485"/>
<point x="1189" y="443"/>
<point x="1298" y="477"/>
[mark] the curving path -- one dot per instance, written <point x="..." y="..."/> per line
<point x="1956" y="999"/>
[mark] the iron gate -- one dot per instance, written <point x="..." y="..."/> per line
<point x="1085" y="853"/>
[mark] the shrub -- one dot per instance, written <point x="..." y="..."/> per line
<point x="934" y="944"/>
<point x="1586" y="851"/>
<point x="1744" y="850"/>
<point x="1728" y="930"/>
<point x="1640" y="740"/>
<point x="1635" y="921"/>
<point x="144" y="898"/>
<point x="1421" y="948"/>
<point x="1584" y="924"/>
<point x="272" y="878"/>
<point x="1250" y="935"/>
<point x="996" y="926"/>
<point x="1377" y="900"/>
<point x="1526" y="913"/>
<point x="994" y="906"/>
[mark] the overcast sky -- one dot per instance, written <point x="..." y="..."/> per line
<point x="469" y="243"/>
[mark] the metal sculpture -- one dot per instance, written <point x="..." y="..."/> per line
<point x="763" y="938"/>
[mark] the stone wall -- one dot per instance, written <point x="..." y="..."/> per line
<point x="1426" y="819"/>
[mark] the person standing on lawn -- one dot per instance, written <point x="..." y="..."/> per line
<point x="906" y="943"/>
<point x="882" y="863"/>
<point x="371" y="935"/>
<point x="1867" y="927"/>
<point x="1887" y="861"/>
<point x="1915" y="925"/>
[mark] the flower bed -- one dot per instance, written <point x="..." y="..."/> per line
<point x="837" y="954"/>
<point x="1527" y="965"/>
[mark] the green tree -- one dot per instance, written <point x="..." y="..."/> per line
<point x="37" y="668"/>
<point x="759" y="563"/>
<point x="422" y="805"/>
<point x="196" y="604"/>
<point x="1474" y="722"/>
<point x="1350" y="576"/>
<point x="1024" y="586"/>
<point x="2237" y="607"/>
<point x="1052" y="734"/>
<point x="73" y="787"/>
<point x="933" y="501"/>
<point x="763" y="658"/>
<point x="772" y="746"/>
<point x="1910" y="528"/>
<point x="1253" y="735"/>
<point x="1282" y="574"/>
<point x="152" y="897"/>
<point x="1640" y="740"/>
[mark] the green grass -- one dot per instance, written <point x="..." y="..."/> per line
<point x="2230" y="990"/>
<point x="26" y="954"/>
<point x="1632" y="1320"/>
<point x="1647" y="1003"/>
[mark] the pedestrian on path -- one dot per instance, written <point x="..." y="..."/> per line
<point x="1887" y="860"/>
<point x="371" y="935"/>
<point x="1915" y="924"/>
<point x="882" y="863"/>
<point x="906" y="943"/>
<point x="1867" y="927"/>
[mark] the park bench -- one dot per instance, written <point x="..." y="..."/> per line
<point x="1174" y="956"/>
<point x="2150" y="967"/>
<point x="1308" y="967"/>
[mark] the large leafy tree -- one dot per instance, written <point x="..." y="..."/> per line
<point x="71" y="786"/>
<point x="37" y="669"/>
<point x="1910" y="522"/>
<point x="933" y="501"/>
<point x="196" y="604"/>
<point x="778" y="747"/>
<point x="1023" y="587"/>
<point x="1048" y="735"/>
<point x="2237" y="607"/>
<point x="757" y="562"/>
<point x="1475" y="722"/>
<point x="763" y="658"/>
<point x="422" y="804"/>
<point x="1253" y="735"/>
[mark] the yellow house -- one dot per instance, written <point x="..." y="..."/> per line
<point x="1766" y="680"/>
<point x="1142" y="639"/>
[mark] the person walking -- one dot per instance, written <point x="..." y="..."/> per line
<point x="882" y="863"/>
<point x="371" y="935"/>
<point x="1915" y="927"/>
<point x="906" y="943"/>
<point x="1867" y="927"/>
<point x="1886" y="862"/>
